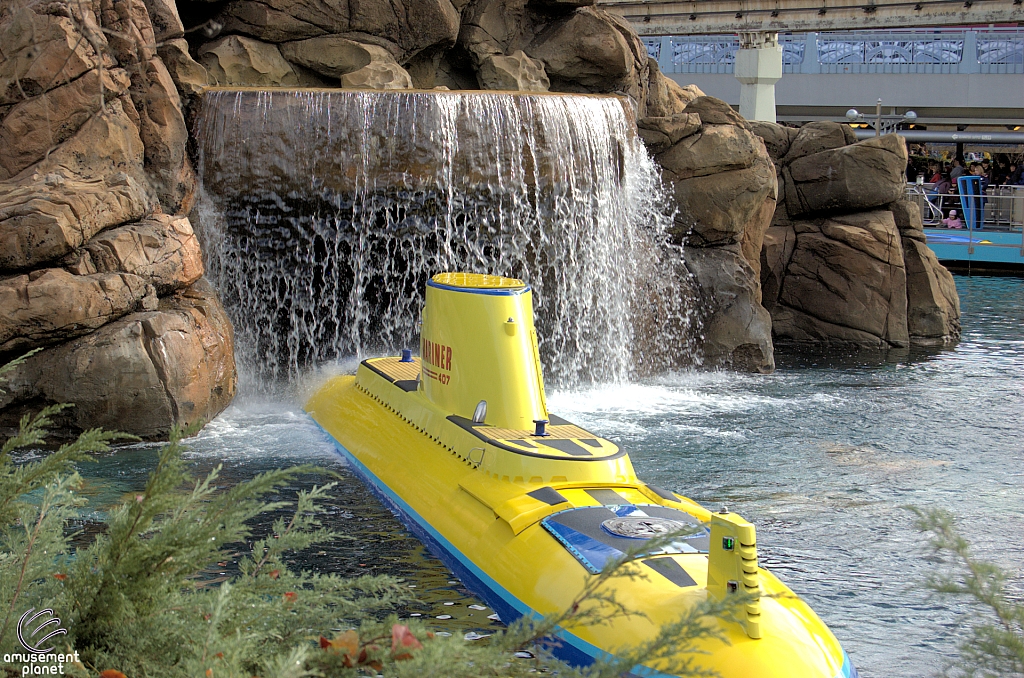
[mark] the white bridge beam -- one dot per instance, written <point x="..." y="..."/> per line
<point x="713" y="17"/>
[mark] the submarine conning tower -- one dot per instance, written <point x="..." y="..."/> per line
<point x="479" y="351"/>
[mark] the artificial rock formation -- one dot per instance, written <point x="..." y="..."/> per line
<point x="724" y="187"/>
<point x="95" y="268"/>
<point x="720" y="174"/>
<point x="844" y="261"/>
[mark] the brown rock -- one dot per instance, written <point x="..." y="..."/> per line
<point x="718" y="148"/>
<point x="845" y="283"/>
<point x="776" y="251"/>
<point x="161" y="249"/>
<point x="383" y="72"/>
<point x="907" y="215"/>
<point x="237" y="60"/>
<point x="188" y="75"/>
<point x="635" y="85"/>
<point x="933" y="306"/>
<point x="515" y="72"/>
<point x="423" y="68"/>
<point x="140" y="374"/>
<point x="856" y="177"/>
<point x="405" y="29"/>
<point x="815" y="137"/>
<point x="163" y="14"/>
<point x="714" y="111"/>
<point x="672" y="128"/>
<point x="560" y="5"/>
<point x="51" y="305"/>
<point x="129" y="32"/>
<point x="37" y="125"/>
<point x="737" y="330"/>
<point x="90" y="183"/>
<point x="777" y="138"/>
<point x="665" y="97"/>
<point x="454" y="77"/>
<point x="164" y="136"/>
<point x="333" y="55"/>
<point x="656" y="142"/>
<point x="715" y="209"/>
<point x="584" y="50"/>
<point x="494" y="28"/>
<point x="267" y="23"/>
<point x="752" y="239"/>
<point x="39" y="52"/>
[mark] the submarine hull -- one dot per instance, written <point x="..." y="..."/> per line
<point x="530" y="573"/>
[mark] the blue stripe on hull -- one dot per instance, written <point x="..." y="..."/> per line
<point x="567" y="647"/>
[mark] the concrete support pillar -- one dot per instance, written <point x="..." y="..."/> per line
<point x="758" y="67"/>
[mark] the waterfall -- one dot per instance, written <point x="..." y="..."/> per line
<point x="323" y="213"/>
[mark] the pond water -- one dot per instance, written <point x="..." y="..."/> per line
<point x="823" y="456"/>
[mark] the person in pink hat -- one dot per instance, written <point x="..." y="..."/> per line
<point x="953" y="220"/>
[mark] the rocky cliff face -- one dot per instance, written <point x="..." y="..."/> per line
<point x="845" y="261"/>
<point x="720" y="173"/>
<point x="100" y="271"/>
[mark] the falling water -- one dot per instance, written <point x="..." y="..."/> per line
<point x="323" y="213"/>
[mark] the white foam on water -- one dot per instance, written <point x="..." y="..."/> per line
<point x="269" y="429"/>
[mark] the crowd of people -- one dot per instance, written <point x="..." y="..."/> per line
<point x="944" y="191"/>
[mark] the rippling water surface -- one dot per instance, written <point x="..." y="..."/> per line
<point x="822" y="456"/>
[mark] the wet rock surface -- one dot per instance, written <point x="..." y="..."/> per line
<point x="141" y="374"/>
<point x="844" y="261"/>
<point x="99" y="267"/>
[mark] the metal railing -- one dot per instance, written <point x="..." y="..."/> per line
<point x="1003" y="209"/>
<point x="990" y="51"/>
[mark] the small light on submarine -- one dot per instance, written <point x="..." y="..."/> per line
<point x="480" y="414"/>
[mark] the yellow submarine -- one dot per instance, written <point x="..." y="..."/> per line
<point x="524" y="506"/>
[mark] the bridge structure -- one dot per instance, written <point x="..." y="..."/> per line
<point x="756" y="42"/>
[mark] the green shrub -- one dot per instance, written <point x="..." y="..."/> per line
<point x="994" y="644"/>
<point x="136" y="601"/>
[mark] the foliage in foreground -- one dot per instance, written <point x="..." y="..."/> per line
<point x="140" y="598"/>
<point x="994" y="645"/>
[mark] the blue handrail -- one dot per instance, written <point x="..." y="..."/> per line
<point x="970" y="200"/>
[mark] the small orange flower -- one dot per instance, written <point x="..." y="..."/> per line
<point x="209" y="673"/>
<point x="112" y="673"/>
<point x="60" y="577"/>
<point x="274" y="574"/>
<point x="290" y="597"/>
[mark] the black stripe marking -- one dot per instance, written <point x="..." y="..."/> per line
<point x="548" y="495"/>
<point x="408" y="385"/>
<point x="663" y="493"/>
<point x="468" y="425"/>
<point x="607" y="497"/>
<point x="567" y="446"/>
<point x="671" y="570"/>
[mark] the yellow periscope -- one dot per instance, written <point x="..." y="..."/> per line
<point x="523" y="506"/>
